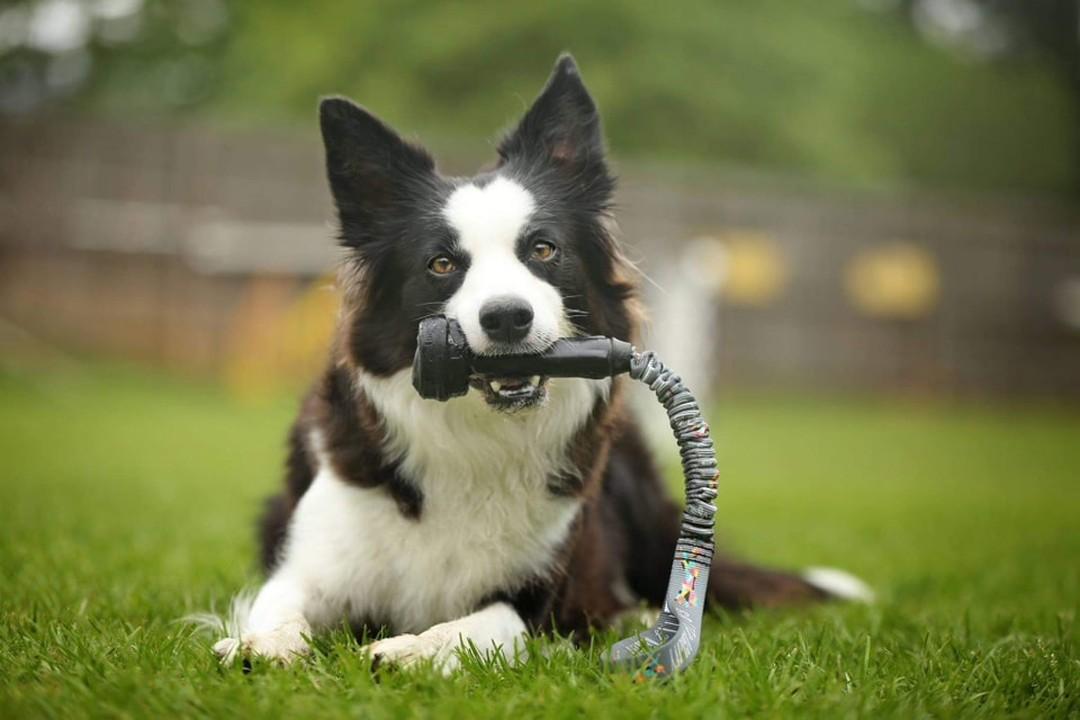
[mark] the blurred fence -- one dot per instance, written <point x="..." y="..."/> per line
<point x="209" y="251"/>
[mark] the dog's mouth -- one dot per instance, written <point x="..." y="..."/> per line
<point x="511" y="393"/>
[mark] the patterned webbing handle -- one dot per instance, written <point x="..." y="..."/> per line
<point x="671" y="644"/>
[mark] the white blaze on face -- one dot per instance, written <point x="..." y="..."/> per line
<point x="488" y="221"/>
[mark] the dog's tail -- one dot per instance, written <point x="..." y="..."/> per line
<point x="734" y="584"/>
<point x="839" y="584"/>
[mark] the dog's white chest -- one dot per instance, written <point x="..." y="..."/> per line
<point x="374" y="563"/>
<point x="488" y="521"/>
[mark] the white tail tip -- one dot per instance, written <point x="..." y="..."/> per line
<point x="839" y="584"/>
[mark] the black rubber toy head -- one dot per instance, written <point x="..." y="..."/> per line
<point x="442" y="364"/>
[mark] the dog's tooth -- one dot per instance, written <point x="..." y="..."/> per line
<point x="535" y="380"/>
<point x="495" y="385"/>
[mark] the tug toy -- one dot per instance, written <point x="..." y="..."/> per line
<point x="442" y="368"/>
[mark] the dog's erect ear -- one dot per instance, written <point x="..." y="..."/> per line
<point x="369" y="166"/>
<point x="562" y="126"/>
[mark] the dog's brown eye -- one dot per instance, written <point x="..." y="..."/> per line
<point x="442" y="265"/>
<point x="543" y="251"/>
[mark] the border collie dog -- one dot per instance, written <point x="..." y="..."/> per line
<point x="528" y="505"/>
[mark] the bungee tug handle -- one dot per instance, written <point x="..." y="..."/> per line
<point x="442" y="367"/>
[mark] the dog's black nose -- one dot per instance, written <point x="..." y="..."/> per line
<point x="506" y="319"/>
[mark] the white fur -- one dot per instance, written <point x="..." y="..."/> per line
<point x="488" y="221"/>
<point x="488" y="521"/>
<point x="839" y="583"/>
<point x="496" y="629"/>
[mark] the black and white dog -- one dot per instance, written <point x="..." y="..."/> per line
<point x="527" y="505"/>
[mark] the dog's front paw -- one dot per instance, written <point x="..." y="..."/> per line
<point x="410" y="651"/>
<point x="282" y="645"/>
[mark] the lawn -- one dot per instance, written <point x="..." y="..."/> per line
<point x="127" y="501"/>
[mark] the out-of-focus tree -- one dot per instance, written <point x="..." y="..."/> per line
<point x="998" y="30"/>
<point x="1001" y="27"/>
<point x="125" y="56"/>
<point x="831" y="90"/>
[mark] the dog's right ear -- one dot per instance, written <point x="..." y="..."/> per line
<point x="369" y="167"/>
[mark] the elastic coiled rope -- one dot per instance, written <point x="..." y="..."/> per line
<point x="671" y="644"/>
<point x="695" y="448"/>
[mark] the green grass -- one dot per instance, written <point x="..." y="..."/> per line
<point x="127" y="502"/>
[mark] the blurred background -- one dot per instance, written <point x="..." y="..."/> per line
<point x="859" y="221"/>
<point x="850" y="195"/>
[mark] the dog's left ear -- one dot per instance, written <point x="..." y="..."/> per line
<point x="562" y="126"/>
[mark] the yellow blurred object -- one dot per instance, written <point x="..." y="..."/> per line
<point x="755" y="270"/>
<point x="308" y="326"/>
<point x="897" y="280"/>
<point x="279" y="337"/>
